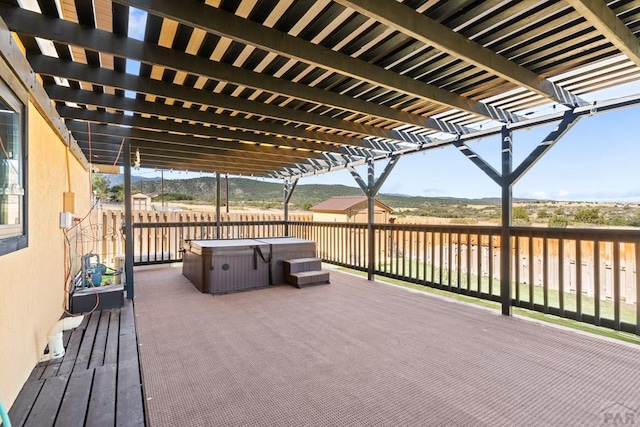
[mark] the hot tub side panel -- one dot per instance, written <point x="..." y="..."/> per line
<point x="193" y="269"/>
<point x="236" y="269"/>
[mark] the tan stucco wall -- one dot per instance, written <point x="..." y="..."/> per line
<point x="379" y="216"/>
<point x="358" y="216"/>
<point x="329" y="217"/>
<point x="32" y="279"/>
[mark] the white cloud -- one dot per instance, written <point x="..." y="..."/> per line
<point x="137" y="23"/>
<point x="539" y="195"/>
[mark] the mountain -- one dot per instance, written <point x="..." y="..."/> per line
<point x="119" y="179"/>
<point x="269" y="194"/>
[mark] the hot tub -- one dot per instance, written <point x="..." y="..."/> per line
<point x="222" y="266"/>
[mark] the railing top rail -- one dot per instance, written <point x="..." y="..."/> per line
<point x="203" y="223"/>
<point x="605" y="234"/>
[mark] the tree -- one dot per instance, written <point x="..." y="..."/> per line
<point x="101" y="185"/>
<point x="117" y="193"/>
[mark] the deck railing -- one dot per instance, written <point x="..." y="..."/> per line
<point x="583" y="274"/>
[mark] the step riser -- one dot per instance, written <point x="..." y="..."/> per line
<point x="302" y="280"/>
<point x="301" y="265"/>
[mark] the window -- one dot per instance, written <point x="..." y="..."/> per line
<point x="13" y="234"/>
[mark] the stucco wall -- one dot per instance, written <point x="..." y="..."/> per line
<point x="33" y="278"/>
<point x="329" y="217"/>
<point x="357" y="216"/>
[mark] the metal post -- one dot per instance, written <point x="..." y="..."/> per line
<point x="507" y="217"/>
<point x="217" y="205"/>
<point x="162" y="188"/>
<point x="289" y="186"/>
<point x="128" y="217"/>
<point x="286" y="207"/>
<point x="370" y="219"/>
<point x="226" y="191"/>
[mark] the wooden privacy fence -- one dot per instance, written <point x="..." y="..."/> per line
<point x="158" y="235"/>
<point x="584" y="274"/>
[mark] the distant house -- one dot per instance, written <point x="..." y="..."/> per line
<point x="349" y="209"/>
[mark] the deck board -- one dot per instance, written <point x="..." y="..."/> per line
<point x="111" y="347"/>
<point x="100" y="343"/>
<point x="24" y="403"/>
<point x="100" y="367"/>
<point x="45" y="408"/>
<point x="102" y="403"/>
<point x="73" y="408"/>
<point x="88" y="339"/>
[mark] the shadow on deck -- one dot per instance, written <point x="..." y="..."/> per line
<point x="361" y="353"/>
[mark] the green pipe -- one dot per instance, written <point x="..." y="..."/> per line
<point x="4" y="416"/>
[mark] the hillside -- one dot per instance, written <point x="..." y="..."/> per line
<point x="244" y="192"/>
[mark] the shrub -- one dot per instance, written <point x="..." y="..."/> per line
<point x="558" y="221"/>
<point x="173" y="196"/>
<point x="589" y="216"/>
<point x="520" y="212"/>
<point x="543" y="214"/>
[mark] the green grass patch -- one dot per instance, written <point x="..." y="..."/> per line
<point x="416" y="269"/>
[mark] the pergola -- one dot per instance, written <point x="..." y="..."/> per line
<point x="288" y="88"/>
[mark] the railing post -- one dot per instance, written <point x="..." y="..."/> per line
<point x="370" y="218"/>
<point x="218" y="236"/>
<point x="505" y="236"/>
<point x="128" y="227"/>
<point x="288" y="192"/>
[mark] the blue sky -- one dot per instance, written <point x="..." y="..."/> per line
<point x="597" y="160"/>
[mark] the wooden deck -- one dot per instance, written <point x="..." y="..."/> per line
<point x="362" y="353"/>
<point x="96" y="383"/>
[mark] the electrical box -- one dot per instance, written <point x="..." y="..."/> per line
<point x="69" y="202"/>
<point x="66" y="219"/>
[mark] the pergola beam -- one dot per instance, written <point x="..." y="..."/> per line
<point x="478" y="161"/>
<point x="45" y="65"/>
<point x="61" y="31"/>
<point x="84" y="97"/>
<point x="113" y="135"/>
<point x="199" y="160"/>
<point x="220" y="22"/>
<point x="111" y="144"/>
<point x="198" y="129"/>
<point x="420" y="27"/>
<point x="598" y="14"/>
<point x="570" y="119"/>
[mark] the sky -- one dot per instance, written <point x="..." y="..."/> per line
<point x="597" y="160"/>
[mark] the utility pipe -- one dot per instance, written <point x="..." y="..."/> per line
<point x="56" y="347"/>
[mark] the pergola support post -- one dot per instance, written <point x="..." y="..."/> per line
<point x="128" y="226"/>
<point x="507" y="219"/>
<point x="371" y="260"/>
<point x="289" y="186"/>
<point x="370" y="189"/>
<point x="218" y="205"/>
<point x="506" y="180"/>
